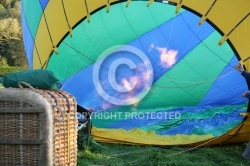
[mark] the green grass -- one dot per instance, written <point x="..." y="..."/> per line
<point x="119" y="155"/>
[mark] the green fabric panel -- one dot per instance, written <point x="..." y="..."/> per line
<point x="33" y="18"/>
<point x="119" y="26"/>
<point x="68" y="61"/>
<point x="188" y="89"/>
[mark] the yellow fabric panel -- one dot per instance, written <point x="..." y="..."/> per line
<point x="247" y="65"/>
<point x="245" y="129"/>
<point x="58" y="25"/>
<point x="247" y="121"/>
<point x="74" y="11"/>
<point x="56" y="20"/>
<point x="226" y="15"/>
<point x="235" y="130"/>
<point x="175" y="1"/>
<point x="240" y="38"/>
<point x="93" y="5"/>
<point x="142" y="137"/>
<point x="200" y="6"/>
<point x="223" y="14"/>
<point x="246" y="126"/>
<point x="43" y="45"/>
<point x="223" y="140"/>
<point x="238" y="138"/>
<point x="240" y="133"/>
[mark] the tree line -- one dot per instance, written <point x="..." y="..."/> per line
<point x="11" y="41"/>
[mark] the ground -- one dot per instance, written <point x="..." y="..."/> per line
<point x="118" y="155"/>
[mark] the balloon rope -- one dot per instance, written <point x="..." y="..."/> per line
<point x="46" y="23"/>
<point x="173" y="154"/>
<point x="66" y="17"/>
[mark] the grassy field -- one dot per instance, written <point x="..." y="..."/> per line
<point x="119" y="155"/>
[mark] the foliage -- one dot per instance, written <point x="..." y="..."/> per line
<point x="7" y="69"/>
<point x="10" y="29"/>
<point x="8" y="3"/>
<point x="3" y="62"/>
<point x="11" y="41"/>
<point x="119" y="155"/>
<point x="15" y="54"/>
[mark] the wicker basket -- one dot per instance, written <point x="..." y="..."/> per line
<point x="38" y="127"/>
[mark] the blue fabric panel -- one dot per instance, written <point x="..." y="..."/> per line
<point x="44" y="3"/>
<point x="181" y="38"/>
<point x="85" y="92"/>
<point x="227" y="94"/>
<point x="28" y="40"/>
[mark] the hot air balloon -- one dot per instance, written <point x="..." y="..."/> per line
<point x="158" y="73"/>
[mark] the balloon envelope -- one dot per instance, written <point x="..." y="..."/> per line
<point x="152" y="76"/>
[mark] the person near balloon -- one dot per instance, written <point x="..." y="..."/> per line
<point x="246" y="75"/>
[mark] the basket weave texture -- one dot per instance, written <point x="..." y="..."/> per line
<point x="38" y="127"/>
